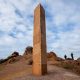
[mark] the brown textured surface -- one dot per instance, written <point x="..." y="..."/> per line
<point x="21" y="71"/>
<point x="39" y="42"/>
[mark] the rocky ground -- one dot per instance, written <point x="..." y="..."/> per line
<point x="17" y="67"/>
<point x="22" y="71"/>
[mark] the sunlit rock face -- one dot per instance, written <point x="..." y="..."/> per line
<point x="51" y="56"/>
<point x="78" y="59"/>
<point x="28" y="50"/>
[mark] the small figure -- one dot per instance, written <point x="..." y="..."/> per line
<point x="65" y="57"/>
<point x="72" y="56"/>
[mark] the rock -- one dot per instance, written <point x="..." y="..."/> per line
<point x="2" y="61"/>
<point x="28" y="50"/>
<point x="28" y="53"/>
<point x="10" y="59"/>
<point x="78" y="59"/>
<point x="14" y="59"/>
<point x="69" y="59"/>
<point x="30" y="62"/>
<point x="59" y="59"/>
<point x="15" y="54"/>
<point x="51" y="56"/>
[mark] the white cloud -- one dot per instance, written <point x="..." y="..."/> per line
<point x="68" y="42"/>
<point x="64" y="13"/>
<point x="16" y="25"/>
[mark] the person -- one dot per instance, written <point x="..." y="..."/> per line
<point x="72" y="56"/>
<point x="65" y="57"/>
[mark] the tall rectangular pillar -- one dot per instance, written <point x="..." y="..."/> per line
<point x="39" y="42"/>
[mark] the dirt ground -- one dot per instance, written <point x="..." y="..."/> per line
<point x="22" y="71"/>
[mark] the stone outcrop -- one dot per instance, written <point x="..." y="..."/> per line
<point x="51" y="56"/>
<point x="28" y="50"/>
<point x="12" y="58"/>
<point x="78" y="59"/>
<point x="15" y="54"/>
<point x="28" y="53"/>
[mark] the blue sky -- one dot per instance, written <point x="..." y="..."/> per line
<point x="62" y="26"/>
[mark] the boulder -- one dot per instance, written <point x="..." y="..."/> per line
<point x="28" y="50"/>
<point x="51" y="56"/>
<point x="10" y="59"/>
<point x="78" y="59"/>
<point x="15" y="54"/>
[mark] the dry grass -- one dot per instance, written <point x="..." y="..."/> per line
<point x="22" y="71"/>
<point x="13" y="75"/>
<point x="73" y="66"/>
<point x="16" y="74"/>
<point x="1" y="67"/>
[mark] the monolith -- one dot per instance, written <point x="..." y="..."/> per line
<point x="39" y="42"/>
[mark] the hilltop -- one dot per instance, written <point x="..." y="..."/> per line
<point x="19" y="67"/>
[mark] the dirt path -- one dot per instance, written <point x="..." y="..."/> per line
<point x="21" y="71"/>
